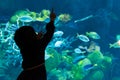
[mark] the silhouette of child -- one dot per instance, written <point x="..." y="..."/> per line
<point x="32" y="48"/>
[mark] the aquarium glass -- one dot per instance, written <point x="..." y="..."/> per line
<point x="85" y="44"/>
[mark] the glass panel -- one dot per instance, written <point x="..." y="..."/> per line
<point x="85" y="44"/>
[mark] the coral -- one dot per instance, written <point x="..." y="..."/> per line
<point x="7" y="71"/>
<point x="18" y="14"/>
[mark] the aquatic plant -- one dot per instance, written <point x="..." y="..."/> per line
<point x="59" y="74"/>
<point x="55" y="60"/>
<point x="77" y="72"/>
<point x="95" y="57"/>
<point x="107" y="61"/>
<point x="7" y="71"/>
<point x="52" y="74"/>
<point x="97" y="75"/>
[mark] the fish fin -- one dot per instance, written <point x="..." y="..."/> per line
<point x="110" y="45"/>
<point x="77" y="35"/>
<point x="87" y="33"/>
<point x="17" y="16"/>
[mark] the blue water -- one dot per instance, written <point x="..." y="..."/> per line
<point x="100" y="16"/>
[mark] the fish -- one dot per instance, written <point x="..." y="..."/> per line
<point x="89" y="66"/>
<point x="83" y="47"/>
<point x="83" y="38"/>
<point x="26" y="19"/>
<point x="58" y="43"/>
<point x="58" y="33"/>
<point x="79" y="51"/>
<point x="83" y="19"/>
<point x="65" y="17"/>
<point x="77" y="59"/>
<point x="93" y="35"/>
<point x="115" y="45"/>
<point x="118" y="37"/>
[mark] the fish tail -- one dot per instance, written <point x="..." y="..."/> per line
<point x="77" y="35"/>
<point x="87" y="33"/>
<point x="110" y="45"/>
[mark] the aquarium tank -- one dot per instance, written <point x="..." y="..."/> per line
<point x="85" y="44"/>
